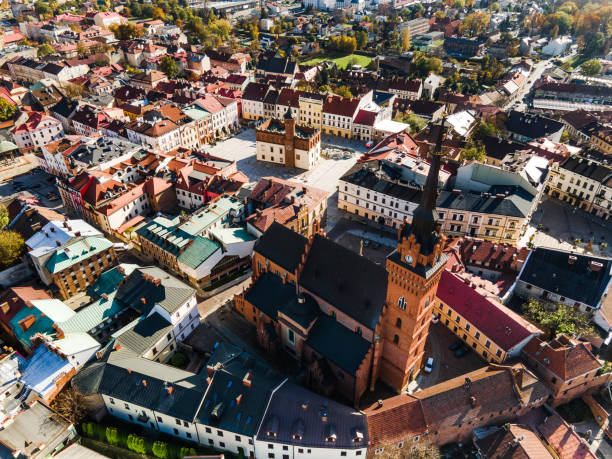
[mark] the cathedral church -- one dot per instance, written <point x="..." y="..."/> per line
<point x="349" y="321"/>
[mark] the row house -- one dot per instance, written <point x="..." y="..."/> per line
<point x="338" y="116"/>
<point x="570" y="278"/>
<point x="77" y="264"/>
<point x="583" y="183"/>
<point x="253" y="101"/>
<point x="406" y="89"/>
<point x="579" y="124"/>
<point x="88" y="120"/>
<point x="43" y="244"/>
<point x="22" y="68"/>
<point x="500" y="214"/>
<point x="38" y="130"/>
<point x="121" y="210"/>
<point x="158" y="134"/>
<point x="298" y="207"/>
<point x="566" y="97"/>
<point x="238" y="405"/>
<point x="235" y="63"/>
<point x="475" y="319"/>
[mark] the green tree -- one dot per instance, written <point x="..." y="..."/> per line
<point x="187" y="452"/>
<point x="591" y="67"/>
<point x="558" y="318"/>
<point x="343" y="91"/>
<point x="483" y="130"/>
<point x="136" y="444"/>
<point x="415" y="121"/>
<point x="7" y="111"/>
<point x="11" y="247"/>
<point x="112" y="436"/>
<point x="361" y="37"/>
<point x="42" y="9"/>
<point x="324" y="88"/>
<point x="160" y="449"/>
<point x="474" y="152"/>
<point x="424" y="65"/>
<point x="4" y="216"/>
<point x="169" y="66"/>
<point x="45" y="50"/>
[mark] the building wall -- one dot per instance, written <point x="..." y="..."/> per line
<point x="289" y="451"/>
<point x="80" y="276"/>
<point x="224" y="440"/>
<point x="492" y="227"/>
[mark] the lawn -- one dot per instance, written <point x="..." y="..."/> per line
<point x="340" y="60"/>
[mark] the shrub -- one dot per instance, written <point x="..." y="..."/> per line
<point x="160" y="449"/>
<point x="136" y="444"/>
<point x="179" y="360"/>
<point x="112" y="436"/>
<point x="187" y="452"/>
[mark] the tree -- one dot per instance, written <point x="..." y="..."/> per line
<point x="11" y="247"/>
<point x="591" y="67"/>
<point x="405" y="39"/>
<point x="169" y="66"/>
<point x="324" y="88"/>
<point x="158" y="13"/>
<point x="4" y="216"/>
<point x="125" y="31"/>
<point x="483" y="130"/>
<point x="82" y="51"/>
<point x="42" y="9"/>
<point x="7" y="111"/>
<point x="361" y="37"/>
<point x="74" y="90"/>
<point x="343" y="91"/>
<point x="415" y="121"/>
<point x="476" y="24"/>
<point x="474" y="152"/>
<point x="70" y="404"/>
<point x="160" y="449"/>
<point x="558" y="318"/>
<point x="45" y="50"/>
<point x="424" y="65"/>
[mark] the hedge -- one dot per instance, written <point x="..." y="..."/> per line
<point x="140" y="445"/>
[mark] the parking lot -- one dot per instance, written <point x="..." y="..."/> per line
<point x="241" y="148"/>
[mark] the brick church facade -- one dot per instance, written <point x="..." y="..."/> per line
<point x="349" y="321"/>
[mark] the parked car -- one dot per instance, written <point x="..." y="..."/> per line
<point x="429" y="365"/>
<point x="461" y="351"/>
<point x="456" y="345"/>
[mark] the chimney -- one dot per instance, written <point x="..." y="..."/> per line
<point x="473" y="400"/>
<point x="105" y="296"/>
<point x="129" y="370"/>
<point x="246" y="381"/>
<point x="380" y="403"/>
<point x="572" y="259"/>
<point x="144" y="383"/>
<point x="117" y="347"/>
<point x="595" y="265"/>
<point x="144" y="300"/>
<point x="238" y="399"/>
<point x="170" y="389"/>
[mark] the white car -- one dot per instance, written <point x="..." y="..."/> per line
<point x="434" y="318"/>
<point x="429" y="365"/>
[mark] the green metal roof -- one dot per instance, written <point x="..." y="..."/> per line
<point x="109" y="280"/>
<point x="198" y="252"/>
<point x="76" y="342"/>
<point x="91" y="316"/>
<point x="207" y="216"/>
<point x="74" y="252"/>
<point x="166" y="234"/>
<point x="196" y="113"/>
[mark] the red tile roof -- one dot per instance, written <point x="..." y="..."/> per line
<point x="562" y="438"/>
<point x="566" y="358"/>
<point x="501" y="325"/>
<point x="365" y="118"/>
<point x="398" y="418"/>
<point x="340" y="106"/>
<point x="17" y="298"/>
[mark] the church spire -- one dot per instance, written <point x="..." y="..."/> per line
<point x="425" y="219"/>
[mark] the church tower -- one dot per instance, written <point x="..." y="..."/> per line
<point x="414" y="270"/>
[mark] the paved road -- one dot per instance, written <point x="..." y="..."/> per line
<point x="535" y="74"/>
<point x="213" y="303"/>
